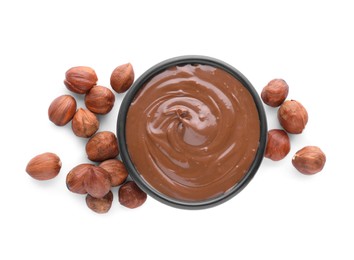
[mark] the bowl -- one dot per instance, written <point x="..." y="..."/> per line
<point x="202" y="80"/>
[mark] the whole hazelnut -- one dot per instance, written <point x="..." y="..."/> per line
<point x="100" y="205"/>
<point x="122" y="78"/>
<point x="131" y="196"/>
<point x="309" y="160"/>
<point x="102" y="146"/>
<point x="99" y="100"/>
<point x="62" y="110"/>
<point x="275" y="92"/>
<point x="278" y="144"/>
<point x="75" y="178"/>
<point x="117" y="171"/>
<point x="84" y="123"/>
<point x="80" y="79"/>
<point x="44" y="166"/>
<point x="292" y="116"/>
<point x="97" y="182"/>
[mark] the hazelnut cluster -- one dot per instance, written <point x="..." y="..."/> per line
<point x="293" y="117"/>
<point x="95" y="181"/>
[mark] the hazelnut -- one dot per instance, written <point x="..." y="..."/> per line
<point x="122" y="78"/>
<point x="99" y="100"/>
<point x="292" y="116"/>
<point x="117" y="171"/>
<point x="101" y="205"/>
<point x="275" y="92"/>
<point x="309" y="160"/>
<point x="44" y="166"/>
<point x="278" y="145"/>
<point x="75" y="178"/>
<point x="62" y="110"/>
<point x="84" y="123"/>
<point x="97" y="182"/>
<point x="102" y="146"/>
<point x="131" y="196"/>
<point x="80" y="79"/>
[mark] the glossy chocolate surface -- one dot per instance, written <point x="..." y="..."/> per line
<point x="192" y="132"/>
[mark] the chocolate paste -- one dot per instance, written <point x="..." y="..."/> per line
<point x="192" y="132"/>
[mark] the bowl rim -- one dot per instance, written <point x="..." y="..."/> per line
<point x="121" y="124"/>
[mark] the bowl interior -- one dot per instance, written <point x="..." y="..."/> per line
<point x="121" y="133"/>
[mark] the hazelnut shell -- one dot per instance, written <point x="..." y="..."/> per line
<point x="309" y="160"/>
<point x="84" y="123"/>
<point x="102" y="146"/>
<point x="100" y="205"/>
<point x="292" y="116"/>
<point x="99" y="100"/>
<point x="131" y="196"/>
<point x="80" y="79"/>
<point x="75" y="178"/>
<point x="275" y="92"/>
<point x="44" y="166"/>
<point x="278" y="144"/>
<point x="97" y="182"/>
<point x="62" y="110"/>
<point x="122" y="78"/>
<point x="117" y="171"/>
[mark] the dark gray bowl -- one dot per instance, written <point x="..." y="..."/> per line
<point x="129" y="97"/>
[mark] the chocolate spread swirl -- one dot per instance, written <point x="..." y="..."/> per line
<point x="192" y="132"/>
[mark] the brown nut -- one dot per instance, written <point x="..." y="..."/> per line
<point x="102" y="146"/>
<point x="62" y="110"/>
<point x="131" y="196"/>
<point x="44" y="166"/>
<point x="122" y="78"/>
<point x="101" y="205"/>
<point x="309" y="160"/>
<point x="117" y="171"/>
<point x="278" y="145"/>
<point x="275" y="92"/>
<point x="99" y="100"/>
<point x="75" y="178"/>
<point x="292" y="116"/>
<point x="84" y="123"/>
<point x="80" y="79"/>
<point x="97" y="182"/>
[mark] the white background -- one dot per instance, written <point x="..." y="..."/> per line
<point x="281" y="214"/>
